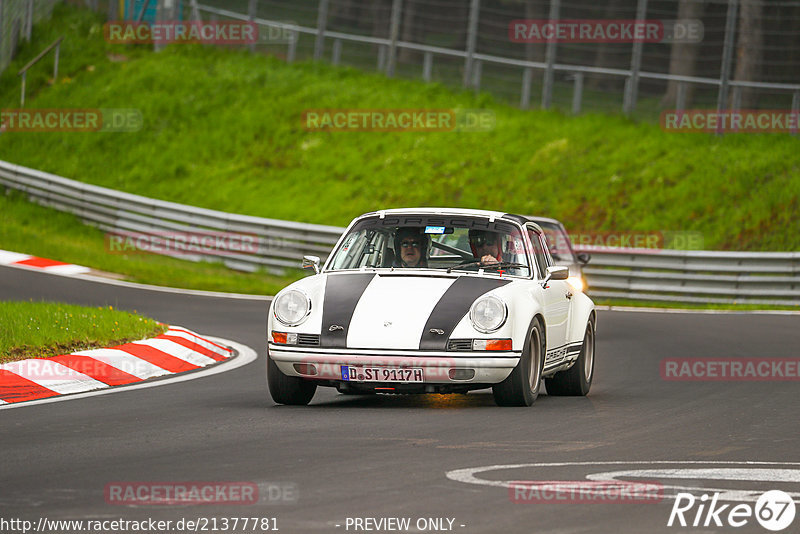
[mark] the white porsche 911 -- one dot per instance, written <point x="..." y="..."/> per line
<point x="433" y="300"/>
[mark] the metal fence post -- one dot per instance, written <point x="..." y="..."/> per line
<point x="28" y="20"/>
<point x="195" y="11"/>
<point x="55" y="63"/>
<point x="394" y="32"/>
<point x="680" y="97"/>
<point x="322" y="20"/>
<point x="525" y="96"/>
<point x="292" y="52"/>
<point x="252" y="9"/>
<point x="477" y="67"/>
<point x="472" y="38"/>
<point x="427" y="66"/>
<point x="577" y="93"/>
<point x="381" y="57"/>
<point x="22" y="96"/>
<point x="632" y="87"/>
<point x="337" y="51"/>
<point x="796" y="109"/>
<point x="550" y="58"/>
<point x="727" y="57"/>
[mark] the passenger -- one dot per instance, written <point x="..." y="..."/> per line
<point x="411" y="248"/>
<point x="485" y="246"/>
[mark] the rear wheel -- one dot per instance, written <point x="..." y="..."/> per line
<point x="288" y="389"/>
<point x="522" y="386"/>
<point x="576" y="380"/>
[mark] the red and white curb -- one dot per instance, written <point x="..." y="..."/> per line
<point x="176" y="351"/>
<point x="26" y="260"/>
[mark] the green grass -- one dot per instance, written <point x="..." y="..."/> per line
<point x="43" y="329"/>
<point x="222" y="129"/>
<point x="32" y="229"/>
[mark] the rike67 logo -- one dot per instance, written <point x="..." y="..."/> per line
<point x="774" y="510"/>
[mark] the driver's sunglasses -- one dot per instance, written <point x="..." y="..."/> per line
<point x="406" y="244"/>
<point x="482" y="240"/>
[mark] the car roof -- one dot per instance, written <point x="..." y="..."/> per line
<point x="537" y="219"/>
<point x="449" y="211"/>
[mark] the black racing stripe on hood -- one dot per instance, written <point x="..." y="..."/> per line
<point x="342" y="293"/>
<point x="453" y="305"/>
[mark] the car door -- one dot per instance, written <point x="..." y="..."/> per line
<point x="556" y="298"/>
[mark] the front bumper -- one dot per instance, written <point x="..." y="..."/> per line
<point x="488" y="368"/>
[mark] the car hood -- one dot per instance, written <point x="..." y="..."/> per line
<point x="393" y="310"/>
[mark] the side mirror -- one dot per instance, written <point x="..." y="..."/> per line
<point x="584" y="258"/>
<point x="557" y="272"/>
<point x="311" y="261"/>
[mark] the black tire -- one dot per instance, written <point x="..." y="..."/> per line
<point x="288" y="389"/>
<point x="576" y="380"/>
<point x="523" y="384"/>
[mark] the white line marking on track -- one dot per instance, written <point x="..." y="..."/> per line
<point x="53" y="376"/>
<point x="245" y="355"/>
<point x="178" y="351"/>
<point x="753" y="474"/>
<point x="125" y="362"/>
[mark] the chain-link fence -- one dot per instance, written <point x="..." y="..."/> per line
<point x="732" y="54"/>
<point x="712" y="54"/>
<point x="17" y="18"/>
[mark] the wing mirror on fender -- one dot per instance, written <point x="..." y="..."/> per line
<point x="311" y="261"/>
<point x="557" y="272"/>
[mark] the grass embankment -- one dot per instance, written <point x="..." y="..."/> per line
<point x="32" y="229"/>
<point x="43" y="329"/>
<point x="222" y="129"/>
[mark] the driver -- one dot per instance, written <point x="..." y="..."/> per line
<point x="411" y="248"/>
<point x="485" y="246"/>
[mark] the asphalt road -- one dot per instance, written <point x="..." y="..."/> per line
<point x="379" y="457"/>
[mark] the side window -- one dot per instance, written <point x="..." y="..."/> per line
<point x="546" y="252"/>
<point x="538" y="252"/>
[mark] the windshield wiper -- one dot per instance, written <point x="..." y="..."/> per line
<point x="498" y="265"/>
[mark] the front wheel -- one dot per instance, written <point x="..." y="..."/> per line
<point x="576" y="380"/>
<point x="521" y="387"/>
<point x="288" y="389"/>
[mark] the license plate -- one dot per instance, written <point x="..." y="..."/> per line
<point x="380" y="374"/>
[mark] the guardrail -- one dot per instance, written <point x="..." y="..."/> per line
<point x="644" y="274"/>
<point x="695" y="276"/>
<point x="280" y="244"/>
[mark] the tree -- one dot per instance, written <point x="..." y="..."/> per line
<point x="749" y="47"/>
<point x="683" y="55"/>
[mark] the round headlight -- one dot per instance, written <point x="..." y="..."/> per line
<point x="292" y="308"/>
<point x="488" y="314"/>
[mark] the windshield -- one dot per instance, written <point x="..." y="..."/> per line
<point x="427" y="242"/>
<point x="558" y="243"/>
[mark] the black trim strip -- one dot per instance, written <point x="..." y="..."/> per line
<point x="342" y="293"/>
<point x="454" y="305"/>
